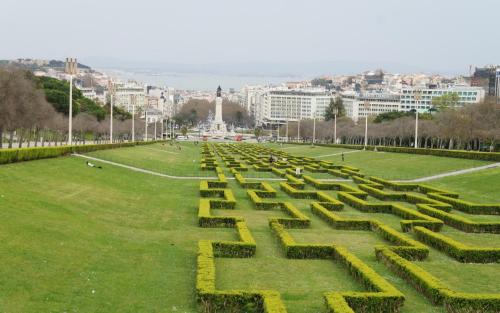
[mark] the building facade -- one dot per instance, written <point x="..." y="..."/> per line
<point x="485" y="78"/>
<point x="358" y="105"/>
<point x="410" y="96"/>
<point x="128" y="95"/>
<point x="290" y="105"/>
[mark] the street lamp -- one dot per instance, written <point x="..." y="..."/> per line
<point x="133" y="101"/>
<point x="71" y="69"/>
<point x="146" y="123"/>
<point x="298" y="130"/>
<point x="155" y="129"/>
<point x="314" y="128"/>
<point x="366" y="106"/>
<point x="335" y="126"/>
<point x="111" y="89"/>
<point x="417" y="97"/>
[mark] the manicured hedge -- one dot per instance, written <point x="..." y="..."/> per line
<point x="212" y="300"/>
<point x="435" y="290"/>
<point x="466" y="206"/>
<point x="299" y="194"/>
<point x="458" y="250"/>
<point x="36" y="153"/>
<point x="460" y="222"/>
<point x="337" y="221"/>
<point x="297" y="219"/>
<point x="206" y="219"/>
<point x="295" y="182"/>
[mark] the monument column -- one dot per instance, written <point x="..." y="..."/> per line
<point x="218" y="106"/>
<point x="218" y="126"/>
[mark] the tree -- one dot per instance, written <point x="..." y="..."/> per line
<point x="258" y="132"/>
<point x="184" y="130"/>
<point x="336" y="107"/>
<point x="448" y="100"/>
<point x="22" y="106"/>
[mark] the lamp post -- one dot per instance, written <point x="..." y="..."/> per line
<point x="146" y="124"/>
<point x="314" y="128"/>
<point x="417" y="96"/>
<point x="71" y="69"/>
<point x="286" y="130"/>
<point x="335" y="127"/>
<point x="155" y="129"/>
<point x="111" y="89"/>
<point x="366" y="106"/>
<point x="298" y="130"/>
<point x="132" y="101"/>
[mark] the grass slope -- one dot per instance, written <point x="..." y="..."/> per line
<point x="385" y="164"/>
<point x="79" y="239"/>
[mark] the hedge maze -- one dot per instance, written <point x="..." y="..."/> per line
<point x="423" y="212"/>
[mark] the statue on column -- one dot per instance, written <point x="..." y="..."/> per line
<point x="219" y="92"/>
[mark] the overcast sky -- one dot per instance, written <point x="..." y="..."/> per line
<point x="427" y="35"/>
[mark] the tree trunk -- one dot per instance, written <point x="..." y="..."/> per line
<point x="1" y="137"/>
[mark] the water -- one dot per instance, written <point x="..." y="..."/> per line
<point x="198" y="81"/>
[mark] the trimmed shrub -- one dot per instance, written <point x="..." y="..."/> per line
<point x="457" y="250"/>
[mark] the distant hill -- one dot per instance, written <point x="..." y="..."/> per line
<point x="34" y="65"/>
<point x="61" y="64"/>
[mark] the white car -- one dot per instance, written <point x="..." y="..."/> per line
<point x="182" y="137"/>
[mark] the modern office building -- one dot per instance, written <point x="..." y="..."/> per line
<point x="421" y="98"/>
<point x="485" y="77"/>
<point x="359" y="105"/>
<point x="292" y="105"/>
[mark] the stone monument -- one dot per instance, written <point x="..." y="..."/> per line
<point x="218" y="127"/>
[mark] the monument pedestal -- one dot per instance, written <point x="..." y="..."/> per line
<point x="218" y="127"/>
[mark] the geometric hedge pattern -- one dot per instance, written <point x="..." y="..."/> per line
<point x="433" y="208"/>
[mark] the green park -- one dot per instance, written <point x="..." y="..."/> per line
<point x="241" y="227"/>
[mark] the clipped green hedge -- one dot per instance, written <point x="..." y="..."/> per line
<point x="434" y="289"/>
<point x="212" y="300"/>
<point x="460" y="222"/>
<point x="458" y="250"/>
<point x="466" y="206"/>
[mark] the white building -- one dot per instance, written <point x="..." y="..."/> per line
<point x="129" y="94"/>
<point x="467" y="95"/>
<point x="360" y="105"/>
<point x="88" y="92"/>
<point x="163" y="100"/>
<point x="252" y="100"/>
<point x="293" y="105"/>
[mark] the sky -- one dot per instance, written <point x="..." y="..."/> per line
<point x="292" y="37"/>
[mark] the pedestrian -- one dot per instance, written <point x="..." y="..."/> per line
<point x="93" y="165"/>
<point x="342" y="156"/>
<point x="297" y="171"/>
<point x="271" y="159"/>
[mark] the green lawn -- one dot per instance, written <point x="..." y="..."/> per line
<point x="384" y="164"/>
<point x="481" y="186"/>
<point x="162" y="158"/>
<point x="80" y="239"/>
